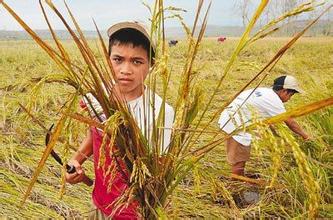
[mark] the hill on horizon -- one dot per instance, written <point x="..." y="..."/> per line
<point x="322" y="28"/>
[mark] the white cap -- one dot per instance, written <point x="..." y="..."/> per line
<point x="288" y="82"/>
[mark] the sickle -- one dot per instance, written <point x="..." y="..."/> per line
<point x="69" y="168"/>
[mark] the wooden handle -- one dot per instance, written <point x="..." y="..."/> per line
<point x="86" y="180"/>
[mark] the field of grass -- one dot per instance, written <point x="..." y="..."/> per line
<point x="206" y="192"/>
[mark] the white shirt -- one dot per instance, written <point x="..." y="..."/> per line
<point x="262" y="103"/>
<point x="142" y="111"/>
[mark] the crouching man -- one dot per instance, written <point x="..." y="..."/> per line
<point x="265" y="103"/>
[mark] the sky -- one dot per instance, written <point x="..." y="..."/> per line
<point x="107" y="12"/>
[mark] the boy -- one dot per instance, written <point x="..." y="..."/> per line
<point x="265" y="102"/>
<point x="131" y="53"/>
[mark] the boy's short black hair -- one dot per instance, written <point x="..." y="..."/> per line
<point x="132" y="36"/>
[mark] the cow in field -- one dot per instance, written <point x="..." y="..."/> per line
<point x="173" y="43"/>
<point x="221" y="39"/>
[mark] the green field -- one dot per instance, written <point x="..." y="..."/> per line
<point x="206" y="192"/>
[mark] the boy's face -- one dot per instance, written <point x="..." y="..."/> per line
<point x="131" y="66"/>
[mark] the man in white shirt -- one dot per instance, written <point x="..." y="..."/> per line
<point x="260" y="103"/>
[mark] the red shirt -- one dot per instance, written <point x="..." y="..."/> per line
<point x="103" y="198"/>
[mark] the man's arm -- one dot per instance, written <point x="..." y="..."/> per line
<point x="295" y="127"/>
<point x="85" y="150"/>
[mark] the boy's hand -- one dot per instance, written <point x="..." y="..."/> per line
<point x="76" y="177"/>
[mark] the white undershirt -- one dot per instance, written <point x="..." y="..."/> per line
<point x="142" y="111"/>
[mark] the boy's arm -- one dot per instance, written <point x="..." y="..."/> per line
<point x="85" y="150"/>
<point x="295" y="127"/>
